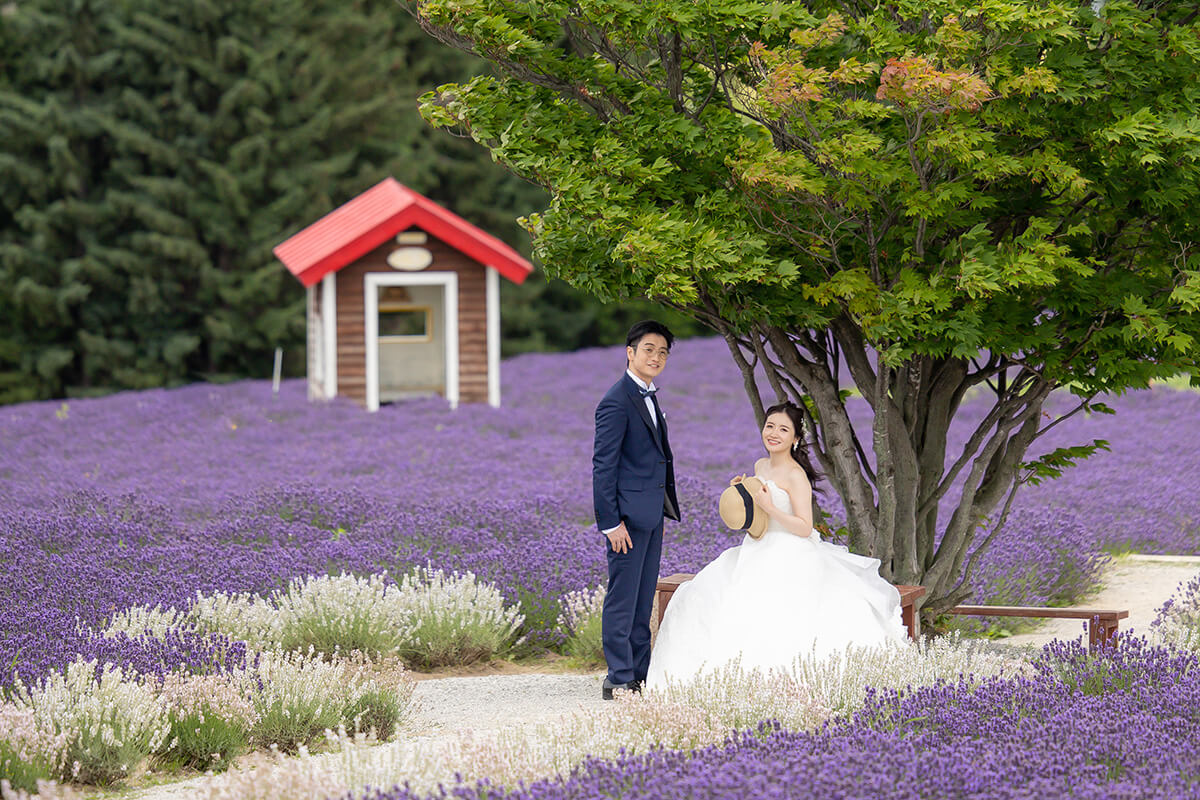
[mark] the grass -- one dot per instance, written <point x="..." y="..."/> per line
<point x="1179" y="382"/>
<point x="204" y="741"/>
<point x="23" y="774"/>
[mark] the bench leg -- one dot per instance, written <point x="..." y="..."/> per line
<point x="911" y="620"/>
<point x="1101" y="631"/>
<point x="662" y="598"/>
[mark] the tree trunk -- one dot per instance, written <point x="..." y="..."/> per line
<point x="892" y="494"/>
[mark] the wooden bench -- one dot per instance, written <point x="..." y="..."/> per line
<point x="908" y="598"/>
<point x="1101" y="622"/>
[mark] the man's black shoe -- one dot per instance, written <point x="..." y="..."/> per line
<point x="606" y="691"/>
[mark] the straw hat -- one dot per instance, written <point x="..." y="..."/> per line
<point x="738" y="510"/>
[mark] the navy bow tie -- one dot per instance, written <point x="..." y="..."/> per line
<point x="647" y="392"/>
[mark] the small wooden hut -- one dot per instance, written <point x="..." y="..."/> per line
<point x="403" y="300"/>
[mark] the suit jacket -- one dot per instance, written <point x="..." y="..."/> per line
<point x="633" y="471"/>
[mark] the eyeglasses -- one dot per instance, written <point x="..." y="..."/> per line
<point x="651" y="350"/>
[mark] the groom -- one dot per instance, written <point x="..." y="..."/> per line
<point x="633" y="488"/>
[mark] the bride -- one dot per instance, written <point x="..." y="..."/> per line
<point x="784" y="595"/>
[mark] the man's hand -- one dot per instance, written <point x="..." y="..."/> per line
<point x="619" y="539"/>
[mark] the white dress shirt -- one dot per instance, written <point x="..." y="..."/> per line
<point x="648" y="399"/>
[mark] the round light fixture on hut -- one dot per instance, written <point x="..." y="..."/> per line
<point x="409" y="259"/>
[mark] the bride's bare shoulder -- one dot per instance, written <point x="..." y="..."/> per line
<point x="797" y="479"/>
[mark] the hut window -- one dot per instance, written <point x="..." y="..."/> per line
<point x="405" y="322"/>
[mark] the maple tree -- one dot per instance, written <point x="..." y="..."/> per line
<point x="919" y="200"/>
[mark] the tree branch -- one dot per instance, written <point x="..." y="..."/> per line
<point x="747" y="370"/>
<point x="948" y="556"/>
<point x="839" y="433"/>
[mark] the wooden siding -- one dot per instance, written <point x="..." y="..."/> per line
<point x="472" y="320"/>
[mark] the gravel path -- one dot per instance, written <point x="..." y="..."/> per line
<point x="445" y="705"/>
<point x="1138" y="583"/>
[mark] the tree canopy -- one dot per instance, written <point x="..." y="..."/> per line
<point x="913" y="198"/>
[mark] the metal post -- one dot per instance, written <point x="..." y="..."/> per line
<point x="278" y="369"/>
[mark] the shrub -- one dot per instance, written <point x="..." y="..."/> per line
<point x="429" y="619"/>
<point x="728" y="698"/>
<point x="242" y="616"/>
<point x="210" y="721"/>
<point x="204" y="740"/>
<point x="580" y="619"/>
<point x="841" y="680"/>
<point x="323" y="613"/>
<point x="1178" y="620"/>
<point x="343" y="612"/>
<point x="28" y="753"/>
<point x="456" y="619"/>
<point x="1115" y="667"/>
<point x="298" y="696"/>
<point x="111" y="720"/>
<point x="378" y="710"/>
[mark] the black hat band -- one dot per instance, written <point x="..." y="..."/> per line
<point x="749" y="503"/>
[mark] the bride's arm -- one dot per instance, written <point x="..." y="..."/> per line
<point x="800" y="493"/>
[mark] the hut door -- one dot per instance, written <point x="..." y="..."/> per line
<point x="411" y="336"/>
<point x="412" y="342"/>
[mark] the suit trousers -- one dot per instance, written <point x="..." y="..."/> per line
<point x="625" y="622"/>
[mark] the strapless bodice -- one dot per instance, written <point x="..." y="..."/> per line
<point x="779" y="496"/>
<point x="783" y="501"/>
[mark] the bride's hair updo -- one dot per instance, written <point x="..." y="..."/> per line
<point x="799" y="451"/>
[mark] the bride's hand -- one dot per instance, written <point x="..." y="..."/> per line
<point x="736" y="479"/>
<point x="763" y="497"/>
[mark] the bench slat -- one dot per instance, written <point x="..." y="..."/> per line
<point x="1035" y="611"/>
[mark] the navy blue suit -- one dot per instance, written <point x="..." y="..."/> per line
<point x="633" y="481"/>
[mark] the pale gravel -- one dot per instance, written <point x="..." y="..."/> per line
<point x="1139" y="584"/>
<point x="446" y="706"/>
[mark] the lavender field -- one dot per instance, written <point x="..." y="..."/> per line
<point x="151" y="497"/>
<point x="1076" y="726"/>
<point x="178" y="500"/>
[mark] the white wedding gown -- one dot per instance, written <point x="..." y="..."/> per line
<point x="772" y="599"/>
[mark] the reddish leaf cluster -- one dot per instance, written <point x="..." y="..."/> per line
<point x="914" y="82"/>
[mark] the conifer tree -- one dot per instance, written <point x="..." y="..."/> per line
<point x="153" y="153"/>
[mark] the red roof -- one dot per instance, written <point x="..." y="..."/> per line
<point x="358" y="227"/>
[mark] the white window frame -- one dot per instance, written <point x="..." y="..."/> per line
<point x="371" y="285"/>
<point x="430" y="323"/>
